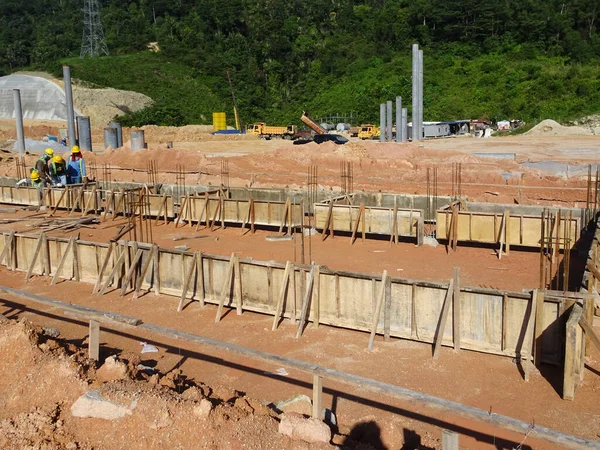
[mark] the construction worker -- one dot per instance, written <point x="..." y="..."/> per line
<point x="37" y="182"/>
<point x="58" y="171"/>
<point x="41" y="166"/>
<point x="76" y="167"/>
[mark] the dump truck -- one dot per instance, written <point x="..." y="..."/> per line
<point x="312" y="124"/>
<point x="262" y="130"/>
<point x="368" y="131"/>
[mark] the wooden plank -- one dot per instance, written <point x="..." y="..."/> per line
<point x="538" y="298"/>
<point x="380" y="300"/>
<point x="38" y="248"/>
<point x="94" y="340"/>
<point x="140" y="278"/>
<point x="317" y="297"/>
<point x="413" y="312"/>
<point x="7" y="250"/>
<point x="62" y="260"/>
<point x="76" y="265"/>
<point x="237" y="280"/>
<point x="526" y="352"/>
<point x="507" y="232"/>
<point x="589" y="331"/>
<point x="282" y="293"/>
<point x="118" y="265"/>
<point x="226" y="288"/>
<point x="328" y="220"/>
<point x="456" y="310"/>
<point x="359" y="218"/>
<point x="306" y="301"/>
<point x="504" y="322"/>
<point x="317" y="398"/>
<point x="186" y="282"/>
<point x="387" y="310"/>
<point x="201" y="284"/>
<point x="443" y="319"/>
<point x="111" y="246"/>
<point x="155" y="270"/>
<point x="570" y="375"/>
<point x="131" y="271"/>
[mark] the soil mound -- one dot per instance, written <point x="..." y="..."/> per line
<point x="550" y="127"/>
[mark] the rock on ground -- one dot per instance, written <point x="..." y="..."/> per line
<point x="300" y="404"/>
<point x="306" y="429"/>
<point x="92" y="404"/>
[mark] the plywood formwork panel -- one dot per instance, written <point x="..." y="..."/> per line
<point x="401" y="310"/>
<point x="487" y="228"/>
<point x="377" y="220"/>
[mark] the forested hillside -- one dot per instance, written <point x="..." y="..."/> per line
<point x="510" y="59"/>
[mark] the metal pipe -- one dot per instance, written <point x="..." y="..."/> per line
<point x="404" y="124"/>
<point x="84" y="131"/>
<point x="111" y="139"/>
<point x="382" y="122"/>
<point x="72" y="137"/>
<point x="19" y="122"/>
<point x="420" y="78"/>
<point x="137" y="140"/>
<point x="119" y="129"/>
<point x="399" y="129"/>
<point x="390" y="122"/>
<point x="415" y="91"/>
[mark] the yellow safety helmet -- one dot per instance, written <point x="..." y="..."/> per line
<point x="75" y="149"/>
<point x="49" y="152"/>
<point x="58" y="159"/>
<point x="34" y="175"/>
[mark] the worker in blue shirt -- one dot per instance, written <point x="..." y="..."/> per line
<point x="76" y="167"/>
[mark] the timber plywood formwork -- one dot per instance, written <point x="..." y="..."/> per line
<point x="493" y="228"/>
<point x="491" y="321"/>
<point x="377" y="220"/>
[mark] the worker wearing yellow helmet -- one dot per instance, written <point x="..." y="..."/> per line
<point x="76" y="167"/>
<point x="58" y="171"/>
<point x="41" y="166"/>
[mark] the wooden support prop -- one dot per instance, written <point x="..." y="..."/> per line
<point x="182" y="210"/>
<point x="594" y="271"/>
<point x="89" y="202"/>
<point x="306" y="301"/>
<point x="163" y="208"/>
<point x="63" y="259"/>
<point x="285" y="215"/>
<point x="573" y="353"/>
<point x="222" y="209"/>
<point x="317" y="295"/>
<point x="189" y="275"/>
<point x="285" y="282"/>
<point x="203" y="212"/>
<point x="226" y="289"/>
<point x="111" y="246"/>
<point x="131" y="271"/>
<point x="78" y="202"/>
<point x="237" y="279"/>
<point x="62" y="195"/>
<point x="155" y="270"/>
<point x="109" y="201"/>
<point x="538" y="298"/>
<point x="380" y="300"/>
<point x="7" y="250"/>
<point x="394" y="233"/>
<point x="507" y="232"/>
<point x="359" y="219"/>
<point x="454" y="228"/>
<point x="76" y="270"/>
<point x="443" y="319"/>
<point x="387" y="310"/>
<point x="456" y="310"/>
<point x="529" y="346"/>
<point x="317" y="400"/>
<point x="140" y="277"/>
<point x="504" y="321"/>
<point x="420" y="231"/>
<point x="94" y="340"/>
<point x="589" y="331"/>
<point x="214" y="219"/>
<point x="119" y="204"/>
<point x="118" y="266"/>
<point x="328" y="220"/>
<point x="449" y="440"/>
<point x="38" y="249"/>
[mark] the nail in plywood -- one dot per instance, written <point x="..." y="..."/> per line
<point x="380" y="300"/>
<point x="443" y="319"/>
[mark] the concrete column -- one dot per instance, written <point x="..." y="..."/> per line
<point x="137" y="140"/>
<point x="421" y="94"/>
<point x="19" y="122"/>
<point x="399" y="129"/>
<point x="404" y="124"/>
<point x="119" y="128"/>
<point x="111" y="138"/>
<point x="71" y="136"/>
<point x="390" y="122"/>
<point x="382" y="122"/>
<point x="84" y="130"/>
<point x="415" y="90"/>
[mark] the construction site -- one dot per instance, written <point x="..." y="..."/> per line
<point x="240" y="292"/>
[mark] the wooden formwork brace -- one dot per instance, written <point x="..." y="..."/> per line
<point x="110" y="201"/>
<point x="394" y="233"/>
<point x="306" y="301"/>
<point x="443" y="319"/>
<point x="203" y="212"/>
<point x="78" y="201"/>
<point x="360" y="218"/>
<point x="163" y="209"/>
<point x="214" y="219"/>
<point x="151" y="260"/>
<point x="285" y="283"/>
<point x="62" y="195"/>
<point x="285" y="215"/>
<point x="7" y="251"/>
<point x="328" y="222"/>
<point x="130" y="275"/>
<point x="41" y="247"/>
<point x="194" y="268"/>
<point x="119" y="204"/>
<point x="70" y="248"/>
<point x="119" y="264"/>
<point x="186" y="200"/>
<point x="377" y="312"/>
<point x="249" y="217"/>
<point x="456" y="310"/>
<point x="233" y="275"/>
<point x="111" y="247"/>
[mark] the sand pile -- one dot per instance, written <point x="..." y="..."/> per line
<point x="102" y="105"/>
<point x="590" y="122"/>
<point x="550" y="127"/>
